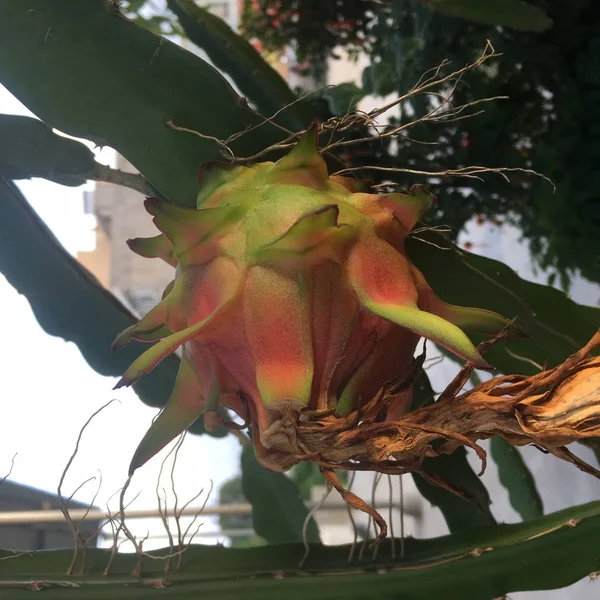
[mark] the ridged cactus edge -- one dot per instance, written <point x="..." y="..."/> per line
<point x="479" y="565"/>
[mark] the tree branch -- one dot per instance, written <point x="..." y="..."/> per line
<point x="134" y="181"/>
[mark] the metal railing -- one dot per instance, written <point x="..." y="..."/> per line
<point x="55" y="516"/>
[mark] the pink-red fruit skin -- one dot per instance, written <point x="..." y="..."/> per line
<point x="292" y="291"/>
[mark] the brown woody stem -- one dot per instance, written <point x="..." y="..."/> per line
<point x="551" y="410"/>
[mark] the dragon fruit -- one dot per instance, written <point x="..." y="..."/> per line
<point x="292" y="292"/>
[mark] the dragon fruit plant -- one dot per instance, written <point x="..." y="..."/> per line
<point x="292" y="291"/>
<point x="294" y="306"/>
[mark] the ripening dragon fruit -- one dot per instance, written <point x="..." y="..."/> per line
<point x="292" y="291"/>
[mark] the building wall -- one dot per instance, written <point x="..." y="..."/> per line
<point x="39" y="536"/>
<point x="98" y="260"/>
<point x="121" y="216"/>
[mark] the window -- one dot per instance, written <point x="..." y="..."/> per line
<point x="220" y="8"/>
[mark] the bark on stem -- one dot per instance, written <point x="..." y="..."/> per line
<point x="550" y="410"/>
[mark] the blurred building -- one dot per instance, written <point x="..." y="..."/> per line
<point x="120" y="215"/>
<point x="39" y="536"/>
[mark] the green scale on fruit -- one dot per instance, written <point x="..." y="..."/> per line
<point x="292" y="291"/>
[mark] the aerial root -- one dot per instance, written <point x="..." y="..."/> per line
<point x="435" y="83"/>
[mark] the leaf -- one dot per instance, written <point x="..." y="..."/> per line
<point x="344" y="97"/>
<point x="556" y="325"/>
<point x="86" y="70"/>
<point x="515" y="14"/>
<point x="594" y="445"/>
<point x="234" y="55"/>
<point x="278" y="512"/>
<point x="379" y="79"/>
<point x="68" y="301"/>
<point x="517" y="479"/>
<point x="29" y="148"/>
<point x="460" y="514"/>
<point x="548" y="553"/>
<point x="306" y="475"/>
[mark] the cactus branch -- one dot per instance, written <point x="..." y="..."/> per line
<point x="550" y="409"/>
<point x="134" y="181"/>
